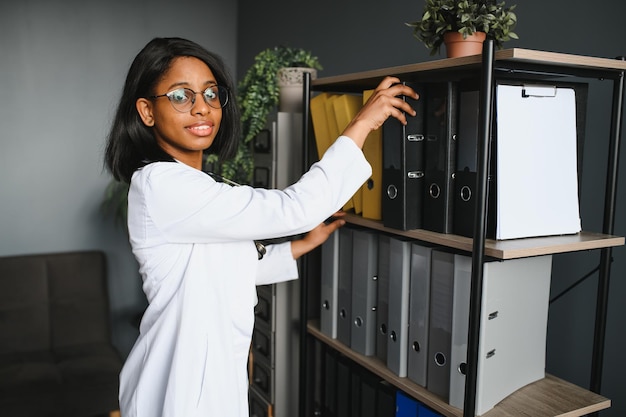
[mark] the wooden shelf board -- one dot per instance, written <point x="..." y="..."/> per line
<point x="560" y="59"/>
<point x="502" y="249"/>
<point x="369" y="79"/>
<point x="548" y="397"/>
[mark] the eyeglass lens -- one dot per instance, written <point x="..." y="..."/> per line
<point x="183" y="99"/>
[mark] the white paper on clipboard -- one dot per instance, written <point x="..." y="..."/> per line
<point x="537" y="180"/>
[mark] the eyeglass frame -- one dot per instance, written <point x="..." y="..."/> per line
<point x="193" y="97"/>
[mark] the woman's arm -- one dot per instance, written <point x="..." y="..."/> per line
<point x="317" y="236"/>
<point x="384" y="103"/>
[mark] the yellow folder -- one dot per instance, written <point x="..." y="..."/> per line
<point x="321" y="126"/>
<point x="371" y="191"/>
<point x="346" y="106"/>
<point x="331" y="120"/>
<point x="331" y="127"/>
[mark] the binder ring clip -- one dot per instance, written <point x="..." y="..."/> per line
<point x="440" y="359"/>
<point x="466" y="193"/>
<point x="434" y="190"/>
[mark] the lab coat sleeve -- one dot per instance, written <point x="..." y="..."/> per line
<point x="188" y="206"/>
<point x="277" y="265"/>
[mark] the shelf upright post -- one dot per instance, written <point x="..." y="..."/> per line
<point x="306" y="107"/>
<point x="304" y="307"/>
<point x="608" y="228"/>
<point x="478" y="245"/>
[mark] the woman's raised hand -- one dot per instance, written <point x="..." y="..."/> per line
<point x="384" y="103"/>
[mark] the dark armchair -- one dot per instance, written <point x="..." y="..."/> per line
<point x="56" y="356"/>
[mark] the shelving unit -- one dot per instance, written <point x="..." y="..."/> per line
<point x="550" y="396"/>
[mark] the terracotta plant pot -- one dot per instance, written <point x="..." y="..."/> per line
<point x="456" y="46"/>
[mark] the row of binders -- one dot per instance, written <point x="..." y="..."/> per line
<point x="408" y="305"/>
<point x="349" y="390"/>
<point x="424" y="173"/>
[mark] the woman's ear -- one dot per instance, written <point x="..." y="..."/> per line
<point x="144" y="108"/>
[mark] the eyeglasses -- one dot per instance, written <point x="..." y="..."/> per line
<point x="183" y="99"/>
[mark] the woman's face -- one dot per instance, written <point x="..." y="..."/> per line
<point x="183" y="134"/>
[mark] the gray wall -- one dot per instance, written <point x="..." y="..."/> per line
<point x="357" y="35"/>
<point x="62" y="67"/>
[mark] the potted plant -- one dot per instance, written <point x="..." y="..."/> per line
<point x="443" y="19"/>
<point x="258" y="94"/>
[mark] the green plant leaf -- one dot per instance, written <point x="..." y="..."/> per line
<point x="465" y="16"/>
<point x="258" y="95"/>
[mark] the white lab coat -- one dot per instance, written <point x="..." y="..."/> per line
<point x="193" y="239"/>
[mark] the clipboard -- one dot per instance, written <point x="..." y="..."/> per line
<point x="536" y="161"/>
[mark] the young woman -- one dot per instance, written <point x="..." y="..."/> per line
<point x="194" y="237"/>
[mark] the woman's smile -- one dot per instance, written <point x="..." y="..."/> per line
<point x="201" y="128"/>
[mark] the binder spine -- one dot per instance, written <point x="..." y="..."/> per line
<point x="465" y="177"/>
<point x="382" y="303"/>
<point x="403" y="168"/>
<point x="460" y="327"/>
<point x="419" y="313"/>
<point x="344" y="280"/>
<point x="364" y="287"/>
<point x="329" y="393"/>
<point x="440" y="156"/>
<point x="399" y="281"/>
<point x="330" y="286"/>
<point x="439" y="341"/>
